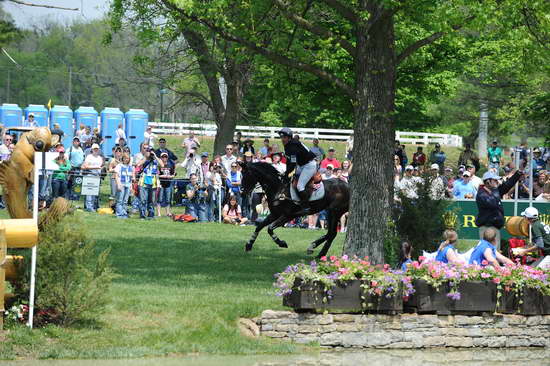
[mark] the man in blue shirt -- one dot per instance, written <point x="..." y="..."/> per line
<point x="463" y="188"/>
<point x="485" y="253"/>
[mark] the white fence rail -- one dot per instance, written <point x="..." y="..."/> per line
<point x="417" y="138"/>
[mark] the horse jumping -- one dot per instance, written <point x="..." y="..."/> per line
<point x="335" y="201"/>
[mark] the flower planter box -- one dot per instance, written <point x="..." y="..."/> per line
<point x="529" y="302"/>
<point x="344" y="296"/>
<point x="383" y="304"/>
<point x="545" y="305"/>
<point x="428" y="300"/>
<point x="311" y="296"/>
<point x="475" y="297"/>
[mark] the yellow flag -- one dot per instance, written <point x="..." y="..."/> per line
<point x="50" y="104"/>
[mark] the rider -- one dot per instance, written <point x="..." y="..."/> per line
<point x="297" y="154"/>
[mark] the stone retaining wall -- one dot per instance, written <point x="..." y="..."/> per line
<point x="407" y="330"/>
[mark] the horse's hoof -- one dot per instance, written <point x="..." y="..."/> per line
<point x="282" y="244"/>
<point x="248" y="247"/>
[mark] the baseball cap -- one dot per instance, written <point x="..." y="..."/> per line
<point x="330" y="166"/>
<point x="466" y="174"/>
<point x="331" y="148"/>
<point x="31" y="114"/>
<point x="437" y="145"/>
<point x="409" y="167"/>
<point x="95" y="146"/>
<point x="448" y="169"/>
<point x="434" y="166"/>
<point x="204" y="155"/>
<point x="495" y="142"/>
<point x="490" y="175"/>
<point x="536" y="150"/>
<point x="76" y="138"/>
<point x="530" y="213"/>
<point x="162" y="139"/>
<point x="164" y="154"/>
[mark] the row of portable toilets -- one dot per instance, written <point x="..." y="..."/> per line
<point x="134" y="122"/>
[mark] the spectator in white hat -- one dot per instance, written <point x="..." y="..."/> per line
<point x="92" y="166"/>
<point x="408" y="185"/>
<point x="476" y="181"/>
<point x="464" y="188"/>
<point x="437" y="185"/>
<point x="540" y="234"/>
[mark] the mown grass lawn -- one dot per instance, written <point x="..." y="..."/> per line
<point x="181" y="289"/>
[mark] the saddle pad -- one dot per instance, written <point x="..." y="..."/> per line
<point x="317" y="194"/>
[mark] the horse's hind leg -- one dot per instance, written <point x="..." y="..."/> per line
<point x="334" y="218"/>
<point x="316" y="243"/>
<point x="268" y="220"/>
<point x="277" y="223"/>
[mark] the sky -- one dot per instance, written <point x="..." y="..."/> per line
<point x="88" y="10"/>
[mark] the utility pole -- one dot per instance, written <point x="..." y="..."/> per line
<point x="483" y="129"/>
<point x="8" y="87"/>
<point x="162" y="92"/>
<point x="70" y="85"/>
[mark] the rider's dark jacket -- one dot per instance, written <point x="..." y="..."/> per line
<point x="489" y="205"/>
<point x="296" y="154"/>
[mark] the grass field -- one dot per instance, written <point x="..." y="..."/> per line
<point x="182" y="288"/>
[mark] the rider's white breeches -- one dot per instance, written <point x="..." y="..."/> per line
<point x="305" y="173"/>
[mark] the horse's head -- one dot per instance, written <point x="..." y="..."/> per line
<point x="249" y="177"/>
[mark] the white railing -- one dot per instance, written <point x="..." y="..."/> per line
<point x="417" y="138"/>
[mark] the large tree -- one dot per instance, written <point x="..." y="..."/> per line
<point x="375" y="38"/>
<point x="220" y="63"/>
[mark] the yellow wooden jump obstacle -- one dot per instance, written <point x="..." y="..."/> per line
<point x="14" y="233"/>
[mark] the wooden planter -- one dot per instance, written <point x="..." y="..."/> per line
<point x="428" y="300"/>
<point x="545" y="305"/>
<point x="311" y="296"/>
<point x="344" y="296"/>
<point x="529" y="302"/>
<point x="476" y="297"/>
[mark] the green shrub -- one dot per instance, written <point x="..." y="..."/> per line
<point x="72" y="280"/>
<point x="392" y="245"/>
<point x="420" y="221"/>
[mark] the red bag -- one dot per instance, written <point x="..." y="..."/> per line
<point x="184" y="218"/>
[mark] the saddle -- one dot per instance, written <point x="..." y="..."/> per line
<point x="311" y="186"/>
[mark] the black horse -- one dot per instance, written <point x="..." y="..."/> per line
<point x="335" y="201"/>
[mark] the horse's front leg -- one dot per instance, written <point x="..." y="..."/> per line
<point x="275" y="224"/>
<point x="268" y="220"/>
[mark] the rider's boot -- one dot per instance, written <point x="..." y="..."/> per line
<point x="304" y="200"/>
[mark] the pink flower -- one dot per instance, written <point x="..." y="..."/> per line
<point x="345" y="257"/>
<point x="485" y="275"/>
<point x="374" y="283"/>
<point x="324" y="258"/>
<point x="332" y="258"/>
<point x="421" y="258"/>
<point x="484" y="262"/>
<point x="496" y="280"/>
<point x="343" y="271"/>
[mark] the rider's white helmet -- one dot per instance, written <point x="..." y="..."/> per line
<point x="530" y="213"/>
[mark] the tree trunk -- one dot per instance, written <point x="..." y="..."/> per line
<point x="236" y="81"/>
<point x="374" y="132"/>
<point x="483" y="129"/>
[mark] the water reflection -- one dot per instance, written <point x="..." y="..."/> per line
<point x="477" y="357"/>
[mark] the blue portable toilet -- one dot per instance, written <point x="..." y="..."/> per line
<point x="40" y="114"/>
<point x="136" y="123"/>
<point x="110" y="119"/>
<point x="10" y="115"/>
<point x="63" y="115"/>
<point x="86" y="116"/>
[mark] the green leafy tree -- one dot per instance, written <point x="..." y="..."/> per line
<point x="365" y="34"/>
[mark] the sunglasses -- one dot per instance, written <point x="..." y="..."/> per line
<point x="228" y="148"/>
<point x="233" y="166"/>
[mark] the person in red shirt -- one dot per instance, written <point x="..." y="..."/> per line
<point x="419" y="158"/>
<point x="330" y="159"/>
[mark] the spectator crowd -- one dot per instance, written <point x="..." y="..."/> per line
<point x="464" y="180"/>
<point x="147" y="182"/>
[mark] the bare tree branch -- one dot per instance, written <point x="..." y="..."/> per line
<point x="314" y="28"/>
<point x="412" y="48"/>
<point x="345" y="11"/>
<point x="19" y="2"/>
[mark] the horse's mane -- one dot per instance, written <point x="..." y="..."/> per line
<point x="265" y="168"/>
